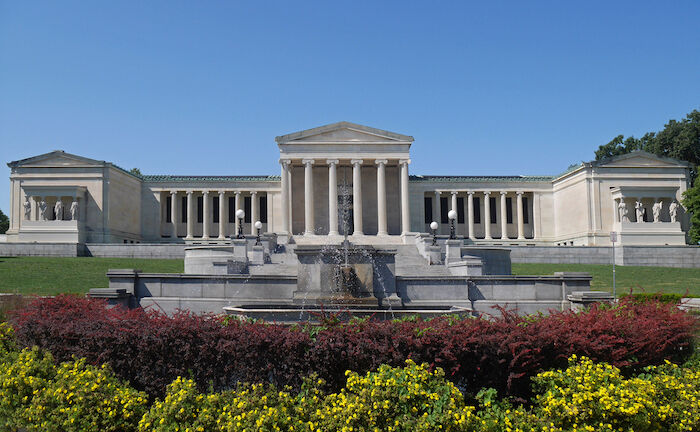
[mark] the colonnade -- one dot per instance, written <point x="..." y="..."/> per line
<point x="207" y="210"/>
<point x="486" y="216"/>
<point x="36" y="208"/>
<point x="357" y="164"/>
<point x="635" y="212"/>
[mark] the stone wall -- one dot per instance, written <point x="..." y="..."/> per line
<point x="41" y="249"/>
<point x="136" y="250"/>
<point x="662" y="256"/>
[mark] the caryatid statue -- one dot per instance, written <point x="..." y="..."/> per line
<point x="74" y="210"/>
<point x="624" y="213"/>
<point x="656" y="210"/>
<point x="639" y="207"/>
<point x="58" y="210"/>
<point x="673" y="210"/>
<point x="27" y="209"/>
<point x="42" y="209"/>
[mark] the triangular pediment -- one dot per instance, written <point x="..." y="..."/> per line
<point x="641" y="159"/>
<point x="53" y="159"/>
<point x="343" y="132"/>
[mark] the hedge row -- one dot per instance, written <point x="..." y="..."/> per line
<point x="150" y="350"/>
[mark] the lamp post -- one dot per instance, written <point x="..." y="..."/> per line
<point x="434" y="227"/>
<point x="240" y="214"/>
<point x="258" y="226"/>
<point x="452" y="215"/>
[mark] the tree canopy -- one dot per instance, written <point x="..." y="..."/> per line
<point x="4" y="222"/>
<point x="678" y="140"/>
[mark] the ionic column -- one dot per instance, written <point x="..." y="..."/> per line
<point x="438" y="209"/>
<point x="332" y="197"/>
<point x="289" y="194"/>
<point x="381" y="196"/>
<point x="504" y="216"/>
<point x="222" y="215"/>
<point x="470" y="214"/>
<point x="487" y="216"/>
<point x="237" y="204"/>
<point x="405" y="215"/>
<point x="173" y="213"/>
<point x="357" y="196"/>
<point x="308" y="196"/>
<point x="254" y="204"/>
<point x="521" y="234"/>
<point x="206" y="210"/>
<point x="284" y="177"/>
<point x="190" y="219"/>
<point x="454" y="207"/>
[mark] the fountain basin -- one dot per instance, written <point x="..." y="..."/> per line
<point x="288" y="314"/>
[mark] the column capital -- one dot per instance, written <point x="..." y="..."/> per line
<point x="519" y="192"/>
<point x="454" y="192"/>
<point x="173" y="192"/>
<point x="332" y="161"/>
<point x="503" y="192"/>
<point x="356" y="161"/>
<point x="437" y="192"/>
<point x="308" y="161"/>
<point x="253" y="193"/>
<point x="237" y="192"/>
<point x="221" y="192"/>
<point x="470" y="193"/>
<point x="381" y="161"/>
<point x="404" y="161"/>
<point x="285" y="162"/>
<point x="205" y="192"/>
<point x="189" y="191"/>
<point x="487" y="193"/>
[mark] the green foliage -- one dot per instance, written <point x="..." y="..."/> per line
<point x="654" y="297"/>
<point x="678" y="140"/>
<point x="22" y="377"/>
<point x="8" y="345"/>
<point x="82" y="397"/>
<point x="4" y="223"/>
<point x="595" y="396"/>
<point x="136" y="172"/>
<point x="691" y="202"/>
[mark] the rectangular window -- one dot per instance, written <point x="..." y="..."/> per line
<point x="509" y="210"/>
<point x="200" y="209"/>
<point x="460" y="210"/>
<point x="215" y="207"/>
<point x="183" y="209"/>
<point x="263" y="209"/>
<point x="443" y="211"/>
<point x="246" y="209"/>
<point x="526" y="211"/>
<point x="428" y="205"/>
<point x="477" y="210"/>
<point x="492" y="202"/>
<point x="231" y="210"/>
<point x="168" y="209"/>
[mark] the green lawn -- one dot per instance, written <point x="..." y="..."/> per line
<point x="50" y="275"/>
<point x="639" y="279"/>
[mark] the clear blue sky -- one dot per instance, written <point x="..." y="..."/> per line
<point x="204" y="87"/>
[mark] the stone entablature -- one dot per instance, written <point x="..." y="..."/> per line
<point x="322" y="167"/>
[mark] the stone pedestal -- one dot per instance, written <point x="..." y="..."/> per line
<point x="257" y="255"/>
<point x="582" y="299"/>
<point x="453" y="251"/>
<point x="434" y="254"/>
<point x="239" y="262"/>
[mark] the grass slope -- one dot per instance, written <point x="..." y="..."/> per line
<point x="637" y="279"/>
<point x="53" y="275"/>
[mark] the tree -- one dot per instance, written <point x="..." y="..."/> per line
<point x="136" y="172"/>
<point x="678" y="139"/>
<point x="691" y="202"/>
<point x="4" y="222"/>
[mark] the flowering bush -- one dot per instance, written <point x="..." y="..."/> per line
<point x="595" y="396"/>
<point x="85" y="398"/>
<point x="22" y="376"/>
<point x="8" y="345"/>
<point x="503" y="353"/>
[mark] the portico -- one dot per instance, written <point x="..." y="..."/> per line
<point x="345" y="167"/>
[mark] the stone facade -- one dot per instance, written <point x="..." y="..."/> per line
<point x="344" y="166"/>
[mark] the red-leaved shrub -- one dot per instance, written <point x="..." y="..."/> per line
<point x="150" y="349"/>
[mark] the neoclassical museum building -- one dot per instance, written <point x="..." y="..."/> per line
<point x="348" y="169"/>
